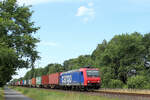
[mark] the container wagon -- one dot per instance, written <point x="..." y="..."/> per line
<point x="54" y="80"/>
<point x="24" y="84"/>
<point x="30" y="82"/>
<point x="33" y="82"/>
<point x="18" y="83"/>
<point x="45" y="81"/>
<point x="27" y="83"/>
<point x="38" y="81"/>
<point x="21" y="83"/>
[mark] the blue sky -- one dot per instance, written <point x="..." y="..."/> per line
<point x="70" y="28"/>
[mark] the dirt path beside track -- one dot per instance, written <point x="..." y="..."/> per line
<point x="14" y="95"/>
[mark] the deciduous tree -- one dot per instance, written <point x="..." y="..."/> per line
<point x="16" y="33"/>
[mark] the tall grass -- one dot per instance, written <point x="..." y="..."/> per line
<point x="1" y="94"/>
<point x="139" y="91"/>
<point x="40" y="94"/>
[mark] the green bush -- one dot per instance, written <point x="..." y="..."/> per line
<point x="137" y="82"/>
<point x="115" y="84"/>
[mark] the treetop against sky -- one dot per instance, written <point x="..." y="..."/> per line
<point x="70" y="28"/>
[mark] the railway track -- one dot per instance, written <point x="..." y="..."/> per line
<point x="110" y="94"/>
<point x="124" y="95"/>
<point x="119" y="95"/>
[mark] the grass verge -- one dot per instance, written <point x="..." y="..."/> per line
<point x="41" y="94"/>
<point x="1" y="94"/>
<point x="138" y="91"/>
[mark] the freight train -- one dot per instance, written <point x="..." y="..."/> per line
<point x="81" y="79"/>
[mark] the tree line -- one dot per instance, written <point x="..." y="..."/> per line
<point x="124" y="62"/>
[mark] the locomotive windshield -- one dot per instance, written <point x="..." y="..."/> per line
<point x="92" y="73"/>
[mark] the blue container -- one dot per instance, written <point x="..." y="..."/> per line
<point x="22" y="82"/>
<point x="71" y="78"/>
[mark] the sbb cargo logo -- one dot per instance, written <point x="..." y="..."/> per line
<point x="67" y="79"/>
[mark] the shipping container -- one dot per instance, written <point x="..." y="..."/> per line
<point x="30" y="82"/>
<point x="71" y="78"/>
<point x="33" y="82"/>
<point x="21" y="82"/>
<point x="45" y="80"/>
<point x="18" y="82"/>
<point x="54" y="80"/>
<point x="38" y="81"/>
<point x="25" y="82"/>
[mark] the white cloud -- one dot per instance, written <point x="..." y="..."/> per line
<point x="45" y="43"/>
<point x="34" y="2"/>
<point x="86" y="12"/>
<point x="82" y="11"/>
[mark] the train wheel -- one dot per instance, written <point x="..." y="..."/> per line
<point x="86" y="89"/>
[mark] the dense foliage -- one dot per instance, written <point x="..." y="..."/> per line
<point x="51" y="68"/>
<point x="124" y="62"/>
<point x="137" y="82"/>
<point x="124" y="56"/>
<point x="17" y="43"/>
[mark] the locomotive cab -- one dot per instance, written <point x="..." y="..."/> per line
<point x="92" y="78"/>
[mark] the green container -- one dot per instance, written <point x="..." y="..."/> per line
<point x="38" y="81"/>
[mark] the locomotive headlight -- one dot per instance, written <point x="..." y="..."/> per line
<point x="98" y="81"/>
<point x="88" y="81"/>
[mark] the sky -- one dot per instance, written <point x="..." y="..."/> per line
<point x="70" y="28"/>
